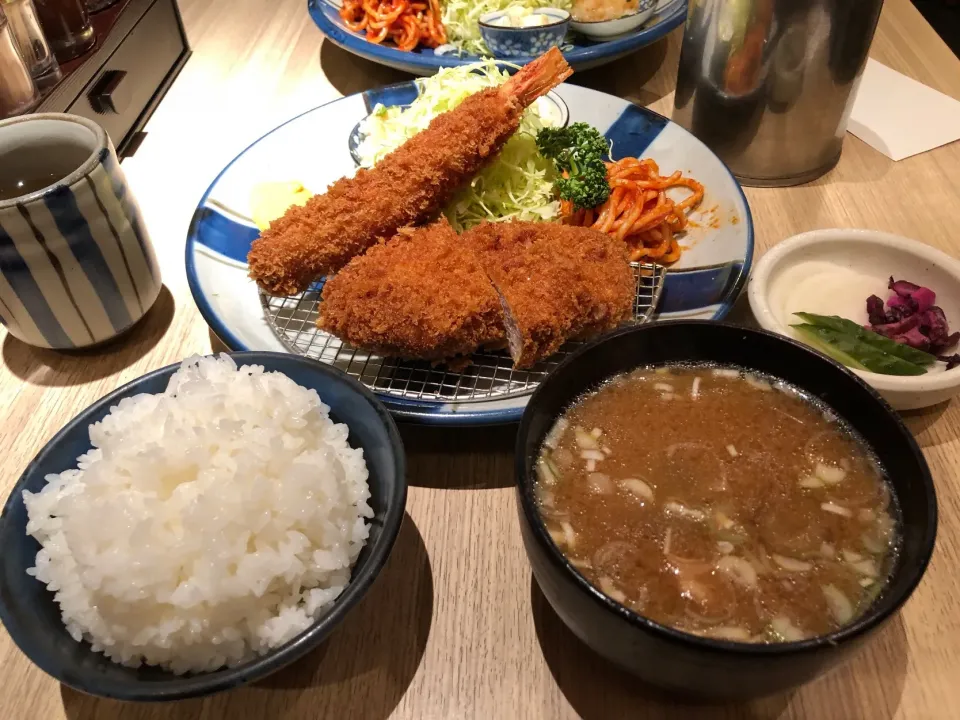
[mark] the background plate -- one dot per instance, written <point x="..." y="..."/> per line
<point x="703" y="284"/>
<point x="584" y="55"/>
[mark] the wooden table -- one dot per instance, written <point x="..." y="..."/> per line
<point x="455" y="627"/>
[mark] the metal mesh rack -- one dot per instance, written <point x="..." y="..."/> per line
<point x="490" y="375"/>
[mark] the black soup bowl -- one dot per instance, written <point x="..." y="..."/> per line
<point x="680" y="662"/>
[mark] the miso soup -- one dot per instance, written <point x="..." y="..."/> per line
<point x="719" y="502"/>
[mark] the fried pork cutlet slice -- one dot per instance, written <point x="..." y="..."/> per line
<point x="420" y="296"/>
<point x="555" y="283"/>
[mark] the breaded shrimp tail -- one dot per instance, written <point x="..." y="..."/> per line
<point x="535" y="79"/>
<point x="408" y="187"/>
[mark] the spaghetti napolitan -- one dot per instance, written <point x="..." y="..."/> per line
<point x="407" y="22"/>
<point x="638" y="211"/>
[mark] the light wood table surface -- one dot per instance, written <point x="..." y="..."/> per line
<point x="455" y="626"/>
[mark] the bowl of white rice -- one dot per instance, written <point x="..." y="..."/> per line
<point x="200" y="527"/>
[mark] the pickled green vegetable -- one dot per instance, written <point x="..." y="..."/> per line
<point x="853" y="352"/>
<point x="842" y="325"/>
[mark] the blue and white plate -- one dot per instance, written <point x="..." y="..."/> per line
<point x="583" y="55"/>
<point x="703" y="284"/>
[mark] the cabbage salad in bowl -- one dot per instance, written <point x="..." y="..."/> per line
<point x="517" y="185"/>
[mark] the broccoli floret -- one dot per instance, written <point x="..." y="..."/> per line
<point x="586" y="191"/>
<point x="580" y="141"/>
<point x="578" y="151"/>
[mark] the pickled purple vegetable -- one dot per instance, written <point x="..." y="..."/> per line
<point x="910" y="317"/>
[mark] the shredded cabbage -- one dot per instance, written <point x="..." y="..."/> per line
<point x="461" y="19"/>
<point x="517" y="184"/>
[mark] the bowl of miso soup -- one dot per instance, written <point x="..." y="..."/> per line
<point x="721" y="511"/>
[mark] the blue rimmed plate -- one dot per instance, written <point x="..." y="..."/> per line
<point x="582" y="55"/>
<point x="703" y="284"/>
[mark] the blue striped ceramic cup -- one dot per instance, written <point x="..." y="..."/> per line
<point x="76" y="263"/>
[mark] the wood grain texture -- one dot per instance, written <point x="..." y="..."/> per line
<point x="455" y="626"/>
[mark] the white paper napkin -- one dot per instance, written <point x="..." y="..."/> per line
<point x="901" y="117"/>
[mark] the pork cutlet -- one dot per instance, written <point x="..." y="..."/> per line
<point x="420" y="296"/>
<point x="555" y="283"/>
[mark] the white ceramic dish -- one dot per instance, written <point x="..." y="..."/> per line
<point x="832" y="272"/>
<point x="607" y="29"/>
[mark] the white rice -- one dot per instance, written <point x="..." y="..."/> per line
<point x="207" y="525"/>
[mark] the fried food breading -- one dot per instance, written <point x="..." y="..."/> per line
<point x="422" y="295"/>
<point x="408" y="187"/>
<point x="555" y="283"/>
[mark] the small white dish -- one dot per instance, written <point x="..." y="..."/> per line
<point x="832" y="272"/>
<point x="606" y="29"/>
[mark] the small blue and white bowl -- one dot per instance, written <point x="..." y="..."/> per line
<point x="505" y="42"/>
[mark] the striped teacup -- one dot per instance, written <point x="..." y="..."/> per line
<point x="76" y="263"/>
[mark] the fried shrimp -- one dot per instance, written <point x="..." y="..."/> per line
<point x="407" y="187"/>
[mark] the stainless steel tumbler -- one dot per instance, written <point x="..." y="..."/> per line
<point x="768" y="85"/>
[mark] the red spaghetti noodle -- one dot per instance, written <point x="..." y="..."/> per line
<point x="408" y="23"/>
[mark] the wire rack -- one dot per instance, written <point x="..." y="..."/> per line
<point x="490" y="375"/>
